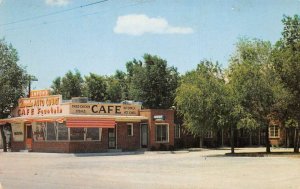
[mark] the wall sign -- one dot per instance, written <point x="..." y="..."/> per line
<point x="104" y="109"/>
<point x="40" y="106"/>
<point x="17" y="132"/>
<point x="159" y="117"/>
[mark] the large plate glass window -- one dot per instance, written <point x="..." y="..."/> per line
<point x="62" y="130"/>
<point x="51" y="131"/>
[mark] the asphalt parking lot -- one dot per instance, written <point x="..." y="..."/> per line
<point x="199" y="169"/>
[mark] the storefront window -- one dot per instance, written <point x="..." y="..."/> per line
<point x="77" y="133"/>
<point x="51" y="131"/>
<point x="39" y="131"/>
<point x="63" y="133"/>
<point x="93" y="134"/>
<point x="162" y="133"/>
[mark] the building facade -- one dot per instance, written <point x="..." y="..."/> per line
<point x="46" y="123"/>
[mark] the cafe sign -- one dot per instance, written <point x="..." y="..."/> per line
<point x="40" y="106"/>
<point x="105" y="109"/>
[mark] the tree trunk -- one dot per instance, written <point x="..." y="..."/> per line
<point x="201" y="142"/>
<point x="296" y="141"/>
<point x="287" y="138"/>
<point x="232" y="139"/>
<point x="259" y="135"/>
<point x="3" y="139"/>
<point x="250" y="138"/>
<point x="268" y="146"/>
<point x="222" y="137"/>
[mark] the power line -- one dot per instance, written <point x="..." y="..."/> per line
<point x="61" y="20"/>
<point x="53" y="13"/>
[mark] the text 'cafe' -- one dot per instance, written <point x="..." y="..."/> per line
<point x="46" y="123"/>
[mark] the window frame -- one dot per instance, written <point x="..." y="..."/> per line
<point x="272" y="131"/>
<point x="69" y="134"/>
<point x="131" y="126"/>
<point x="167" y="132"/>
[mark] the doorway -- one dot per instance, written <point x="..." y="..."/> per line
<point x="111" y="138"/>
<point x="28" y="136"/>
<point x="144" y="135"/>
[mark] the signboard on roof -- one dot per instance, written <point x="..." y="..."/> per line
<point x="105" y="109"/>
<point x="39" y="93"/>
<point x="40" y="106"/>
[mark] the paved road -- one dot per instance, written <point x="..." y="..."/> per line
<point x="201" y="169"/>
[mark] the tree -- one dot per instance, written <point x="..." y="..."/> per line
<point x="114" y="89"/>
<point x="95" y="87"/>
<point x="286" y="58"/>
<point x="13" y="80"/>
<point x="71" y="85"/>
<point x="56" y="86"/>
<point x="200" y="98"/>
<point x="256" y="86"/>
<point x="152" y="82"/>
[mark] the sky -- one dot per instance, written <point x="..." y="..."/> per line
<point x="55" y="36"/>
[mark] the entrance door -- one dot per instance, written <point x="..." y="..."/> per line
<point x="28" y="137"/>
<point x="144" y="135"/>
<point x="111" y="138"/>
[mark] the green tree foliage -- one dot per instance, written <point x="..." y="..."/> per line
<point x="13" y="78"/>
<point x="114" y="89"/>
<point x="152" y="82"/>
<point x="255" y="84"/>
<point x="13" y="82"/>
<point x="200" y="98"/>
<point x="95" y="87"/>
<point x="286" y="58"/>
<point x="71" y="85"/>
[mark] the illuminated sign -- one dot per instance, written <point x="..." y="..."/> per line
<point x="105" y="109"/>
<point x="40" y="106"/>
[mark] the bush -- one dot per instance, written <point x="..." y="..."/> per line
<point x="153" y="148"/>
<point x="171" y="148"/>
<point x="162" y="147"/>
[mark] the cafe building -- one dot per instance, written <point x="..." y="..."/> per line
<point x="46" y="123"/>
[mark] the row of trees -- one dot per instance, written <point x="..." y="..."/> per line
<point x="149" y="81"/>
<point x="260" y="85"/>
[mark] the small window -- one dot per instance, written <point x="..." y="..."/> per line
<point x="274" y="131"/>
<point x="129" y="129"/>
<point x="177" y="131"/>
<point x="162" y="133"/>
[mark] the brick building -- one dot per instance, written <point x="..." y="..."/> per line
<point x="46" y="123"/>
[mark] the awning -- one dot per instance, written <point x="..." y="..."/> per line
<point x="90" y="122"/>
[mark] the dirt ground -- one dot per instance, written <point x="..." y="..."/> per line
<point x="197" y="169"/>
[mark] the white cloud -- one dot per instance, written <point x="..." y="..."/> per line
<point x="139" y="24"/>
<point x="57" y="2"/>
